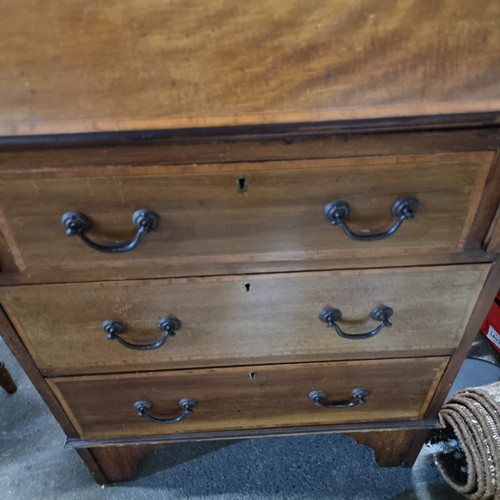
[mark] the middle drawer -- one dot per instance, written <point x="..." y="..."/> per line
<point x="240" y="320"/>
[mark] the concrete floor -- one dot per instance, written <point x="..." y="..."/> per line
<point x="33" y="464"/>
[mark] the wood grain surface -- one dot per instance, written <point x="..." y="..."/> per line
<point x="391" y="448"/>
<point x="493" y="237"/>
<point x="483" y="304"/>
<point x="233" y="398"/>
<point x="18" y="349"/>
<point x="176" y="105"/>
<point x="112" y="464"/>
<point x="207" y="220"/>
<point x="235" y="320"/>
<point x="85" y="66"/>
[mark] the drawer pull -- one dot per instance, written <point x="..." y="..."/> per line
<point x="358" y="398"/>
<point x="168" y="325"/>
<point x="79" y="224"/>
<point x="330" y="316"/>
<point x="186" y="404"/>
<point x="338" y="211"/>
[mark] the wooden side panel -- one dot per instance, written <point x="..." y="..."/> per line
<point x="248" y="397"/>
<point x="118" y="463"/>
<point x="493" y="238"/>
<point x="207" y="220"/>
<point x="181" y="64"/>
<point x="479" y="312"/>
<point x="233" y="320"/>
<point x="19" y="350"/>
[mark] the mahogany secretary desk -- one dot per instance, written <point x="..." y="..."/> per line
<point x="243" y="219"/>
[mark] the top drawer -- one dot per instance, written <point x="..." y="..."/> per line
<point x="232" y="217"/>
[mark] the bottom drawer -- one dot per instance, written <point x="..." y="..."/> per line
<point x="102" y="406"/>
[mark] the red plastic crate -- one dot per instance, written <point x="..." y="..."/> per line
<point x="491" y="325"/>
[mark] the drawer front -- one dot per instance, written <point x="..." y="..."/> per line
<point x="236" y="320"/>
<point x="248" y="397"/>
<point x="216" y="215"/>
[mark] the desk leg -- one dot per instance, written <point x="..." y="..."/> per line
<point x="114" y="464"/>
<point x="393" y="448"/>
<point x="6" y="380"/>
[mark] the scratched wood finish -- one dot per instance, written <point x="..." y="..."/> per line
<point x="206" y="220"/>
<point x="248" y="397"/>
<point x="153" y="65"/>
<point x="235" y="320"/>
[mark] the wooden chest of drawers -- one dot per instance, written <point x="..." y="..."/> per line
<point x="223" y="258"/>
